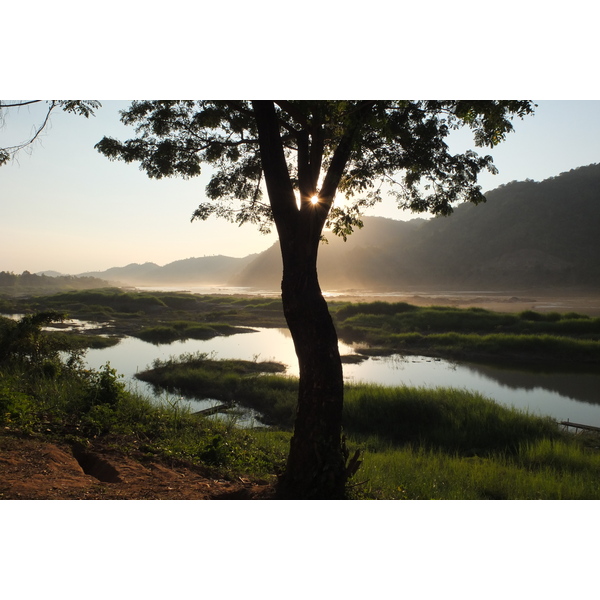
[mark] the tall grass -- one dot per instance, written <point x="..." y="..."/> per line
<point x="549" y="347"/>
<point x="453" y="444"/>
<point x="422" y="474"/>
<point x="472" y="333"/>
<point x="447" y="419"/>
<point x="404" y="318"/>
<point x="250" y="383"/>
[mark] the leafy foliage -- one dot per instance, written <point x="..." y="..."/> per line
<point x="23" y="341"/>
<point x="362" y="145"/>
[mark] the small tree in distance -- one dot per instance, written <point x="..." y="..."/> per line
<point x="306" y="153"/>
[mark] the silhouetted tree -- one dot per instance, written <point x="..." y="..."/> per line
<point x="306" y="152"/>
<point x="84" y="108"/>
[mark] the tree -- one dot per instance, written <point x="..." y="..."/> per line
<point x="306" y="153"/>
<point x="84" y="108"/>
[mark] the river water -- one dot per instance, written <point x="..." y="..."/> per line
<point x="563" y="396"/>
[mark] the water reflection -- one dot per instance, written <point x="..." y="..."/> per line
<point x="560" y="395"/>
<point x="584" y="387"/>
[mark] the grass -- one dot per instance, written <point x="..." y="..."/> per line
<point x="472" y="333"/>
<point x="122" y="307"/>
<point x="401" y="317"/>
<point x="380" y="327"/>
<point x="422" y="474"/>
<point x="452" y="444"/>
<point x="418" y="443"/>
<point x="446" y="419"/>
<point x="250" y="383"/>
<point x="442" y="443"/>
<point x="157" y="317"/>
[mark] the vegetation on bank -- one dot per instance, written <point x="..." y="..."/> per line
<point x="248" y="383"/>
<point x="417" y="443"/>
<point x="48" y="392"/>
<point x="157" y="317"/>
<point x="184" y="330"/>
<point x="472" y="333"/>
<point x="376" y="327"/>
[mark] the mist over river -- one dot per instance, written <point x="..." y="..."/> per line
<point x="563" y="396"/>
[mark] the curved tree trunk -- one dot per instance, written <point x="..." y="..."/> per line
<point x="316" y="463"/>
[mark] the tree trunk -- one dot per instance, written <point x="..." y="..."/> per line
<point x="316" y="463"/>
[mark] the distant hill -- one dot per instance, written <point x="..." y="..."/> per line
<point x="527" y="234"/>
<point x="356" y="263"/>
<point x="26" y="283"/>
<point x="50" y="273"/>
<point x="204" y="270"/>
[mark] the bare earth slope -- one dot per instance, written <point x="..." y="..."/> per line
<point x="35" y="469"/>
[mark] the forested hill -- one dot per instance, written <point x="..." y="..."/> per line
<point x="527" y="234"/>
<point x="27" y="283"/>
<point x="203" y="270"/>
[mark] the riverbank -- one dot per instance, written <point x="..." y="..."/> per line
<point x="513" y="301"/>
<point x="416" y="444"/>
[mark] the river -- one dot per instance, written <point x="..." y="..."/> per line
<point x="563" y="396"/>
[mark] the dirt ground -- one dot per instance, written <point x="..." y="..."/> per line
<point x="36" y="469"/>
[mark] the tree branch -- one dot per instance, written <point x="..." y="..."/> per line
<point x="14" y="149"/>
<point x="342" y="154"/>
<point x="16" y="104"/>
<point x="293" y="111"/>
<point x="274" y="166"/>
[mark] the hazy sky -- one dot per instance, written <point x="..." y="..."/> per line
<point x="65" y="207"/>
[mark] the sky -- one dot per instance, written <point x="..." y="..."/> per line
<point x="67" y="208"/>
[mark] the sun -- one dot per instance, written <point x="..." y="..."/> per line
<point x="315" y="199"/>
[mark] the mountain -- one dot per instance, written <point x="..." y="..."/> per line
<point x="526" y="234"/>
<point x="204" y="270"/>
<point x="353" y="264"/>
<point x="131" y="273"/>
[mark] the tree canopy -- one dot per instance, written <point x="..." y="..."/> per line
<point x="305" y="153"/>
<point x="365" y="147"/>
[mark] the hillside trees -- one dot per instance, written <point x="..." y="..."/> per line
<point x="306" y="154"/>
